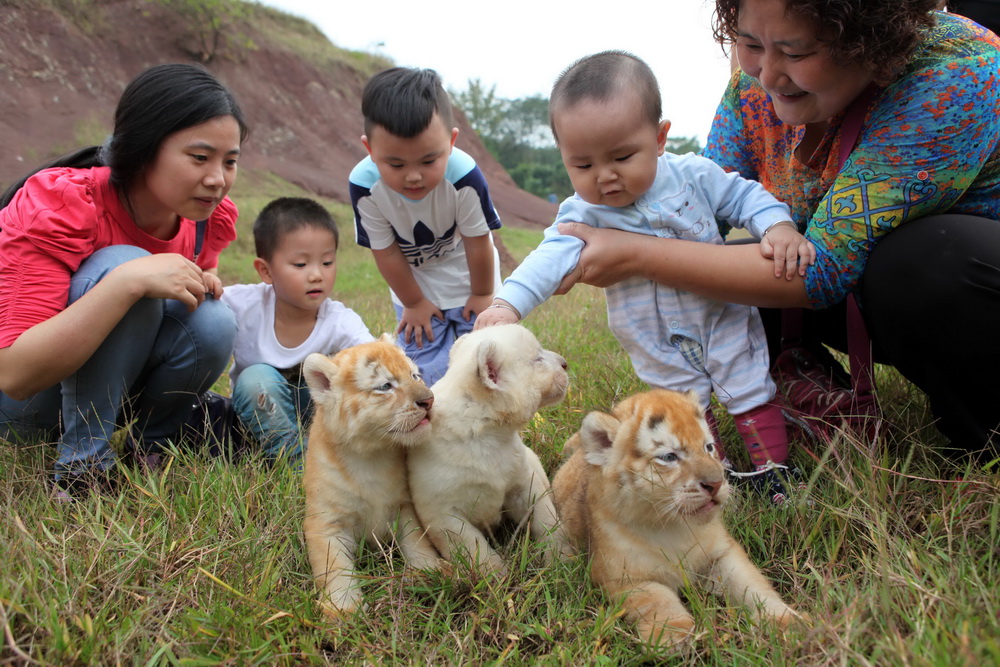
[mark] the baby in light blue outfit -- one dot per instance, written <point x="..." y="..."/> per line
<point x="605" y="113"/>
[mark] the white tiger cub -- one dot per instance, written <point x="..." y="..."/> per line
<point x="475" y="470"/>
<point x="371" y="408"/>
<point x="643" y="493"/>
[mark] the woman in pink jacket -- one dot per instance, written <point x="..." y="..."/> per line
<point x="108" y="292"/>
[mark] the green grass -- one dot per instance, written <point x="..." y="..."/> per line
<point x="896" y="559"/>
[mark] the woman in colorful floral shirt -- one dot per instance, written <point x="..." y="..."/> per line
<point x="924" y="164"/>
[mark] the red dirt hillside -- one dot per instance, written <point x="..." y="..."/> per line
<point x="64" y="68"/>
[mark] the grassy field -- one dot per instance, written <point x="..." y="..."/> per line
<point x="895" y="557"/>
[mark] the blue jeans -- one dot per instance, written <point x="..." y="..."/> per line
<point x="432" y="358"/>
<point x="271" y="409"/>
<point x="148" y="369"/>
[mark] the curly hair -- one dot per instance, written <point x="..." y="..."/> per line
<point x="876" y="35"/>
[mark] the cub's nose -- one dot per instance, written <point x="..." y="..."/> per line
<point x="426" y="403"/>
<point x="712" y="486"/>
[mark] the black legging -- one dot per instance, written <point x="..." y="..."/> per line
<point x="931" y="298"/>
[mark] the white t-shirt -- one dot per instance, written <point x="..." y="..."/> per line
<point x="337" y="327"/>
<point x="428" y="231"/>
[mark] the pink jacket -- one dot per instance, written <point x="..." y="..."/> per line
<point x="58" y="219"/>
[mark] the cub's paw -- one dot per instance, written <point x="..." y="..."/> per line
<point x="494" y="565"/>
<point x="556" y="547"/>
<point x="790" y="618"/>
<point x="345" y="607"/>
<point x="567" y="550"/>
<point x="674" y="632"/>
<point x="429" y="563"/>
<point x="427" y="570"/>
<point x="444" y="567"/>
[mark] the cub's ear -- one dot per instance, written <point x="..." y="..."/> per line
<point x="453" y="353"/>
<point x="489" y="364"/>
<point x="387" y="338"/>
<point x="692" y="396"/>
<point x="319" y="372"/>
<point x="597" y="435"/>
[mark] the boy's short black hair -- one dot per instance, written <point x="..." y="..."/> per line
<point x="283" y="216"/>
<point x="402" y="100"/>
<point x="603" y="77"/>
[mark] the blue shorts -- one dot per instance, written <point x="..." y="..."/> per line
<point x="432" y="358"/>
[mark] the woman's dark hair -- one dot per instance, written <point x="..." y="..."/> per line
<point x="160" y="101"/>
<point x="878" y="36"/>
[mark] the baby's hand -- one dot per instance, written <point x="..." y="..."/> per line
<point x="476" y="305"/>
<point x="416" y="321"/>
<point x="791" y="251"/>
<point x="500" y="312"/>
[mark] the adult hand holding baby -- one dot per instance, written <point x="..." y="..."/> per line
<point x="605" y="260"/>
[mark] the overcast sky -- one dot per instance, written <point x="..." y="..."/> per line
<point x="523" y="45"/>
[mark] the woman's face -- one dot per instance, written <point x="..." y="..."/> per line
<point x="193" y="171"/>
<point x="785" y="54"/>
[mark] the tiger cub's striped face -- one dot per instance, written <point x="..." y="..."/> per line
<point x="658" y="449"/>
<point x="371" y="391"/>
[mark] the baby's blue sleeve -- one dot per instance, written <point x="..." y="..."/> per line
<point x="539" y="275"/>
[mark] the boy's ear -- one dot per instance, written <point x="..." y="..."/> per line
<point x="661" y="137"/>
<point x="263" y="270"/>
<point x="364" y="140"/>
<point x="454" y="135"/>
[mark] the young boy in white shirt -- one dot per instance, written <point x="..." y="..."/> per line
<point x="423" y="208"/>
<point x="283" y="319"/>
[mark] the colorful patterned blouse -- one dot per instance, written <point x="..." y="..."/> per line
<point x="930" y="143"/>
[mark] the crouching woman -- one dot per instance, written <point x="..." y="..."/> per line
<point x="108" y="290"/>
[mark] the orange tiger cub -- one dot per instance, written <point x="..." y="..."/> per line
<point x="371" y="406"/>
<point x="643" y="493"/>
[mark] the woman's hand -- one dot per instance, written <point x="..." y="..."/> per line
<point x="39" y="357"/>
<point x="606" y="258"/>
<point x="733" y="273"/>
<point x="213" y="284"/>
<point x="164" y="276"/>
